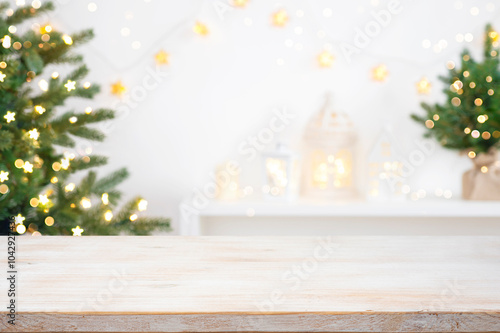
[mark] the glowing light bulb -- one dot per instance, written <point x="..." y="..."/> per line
<point x="77" y="231"/>
<point x="142" y="205"/>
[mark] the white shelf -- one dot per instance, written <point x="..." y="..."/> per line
<point x="421" y="208"/>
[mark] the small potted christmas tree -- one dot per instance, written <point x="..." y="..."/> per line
<point x="469" y="119"/>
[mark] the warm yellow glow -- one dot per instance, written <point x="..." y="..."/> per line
<point x="10" y="116"/>
<point x="4" y="175"/>
<point x="455" y="101"/>
<point x="19" y="163"/>
<point x="429" y="123"/>
<point x="118" y="88"/>
<point x="239" y="3"/>
<point x="200" y="29"/>
<point x="54" y="180"/>
<point x="491" y="92"/>
<point x="435" y="117"/>
<point x="34" y="134"/>
<point x="55" y="75"/>
<point x="40" y="109"/>
<point x="475" y="134"/>
<point x="108" y="216"/>
<point x="73" y="119"/>
<point x="486" y="135"/>
<point x="87" y="85"/>
<point x="481" y="118"/>
<point x="280" y="18"/>
<point x="496" y="134"/>
<point x="49" y="221"/>
<point x="6" y="41"/>
<point x="450" y="65"/>
<point x="466" y="57"/>
<point x="44" y="85"/>
<point x="133" y="217"/>
<point x="467" y="130"/>
<point x="105" y="199"/>
<point x="4" y="189"/>
<point x="142" y="205"/>
<point x="325" y="59"/>
<point x="276" y="175"/>
<point x="489" y="79"/>
<point x="161" y="57"/>
<point x="88" y="110"/>
<point x="70" y="85"/>
<point x="65" y="163"/>
<point x="478" y="101"/>
<point x="484" y="169"/>
<point x="466" y="73"/>
<point x="21" y="229"/>
<point x="67" y="39"/>
<point x="34" y="202"/>
<point x="28" y="167"/>
<point x="457" y="85"/>
<point x="380" y="73"/>
<point x="85" y="202"/>
<point x="423" y="86"/>
<point x="2" y="76"/>
<point x="70" y="187"/>
<point x="77" y="231"/>
<point x="472" y="85"/>
<point x="56" y="166"/>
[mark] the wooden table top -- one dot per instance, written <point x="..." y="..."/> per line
<point x="265" y="284"/>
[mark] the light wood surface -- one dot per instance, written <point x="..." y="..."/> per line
<point x="265" y="284"/>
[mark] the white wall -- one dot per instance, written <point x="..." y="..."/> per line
<point x="223" y="87"/>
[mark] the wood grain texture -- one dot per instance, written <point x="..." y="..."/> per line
<point x="256" y="284"/>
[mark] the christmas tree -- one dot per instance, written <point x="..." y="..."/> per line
<point x="469" y="119"/>
<point x="38" y="136"/>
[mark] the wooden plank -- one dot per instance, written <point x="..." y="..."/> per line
<point x="264" y="284"/>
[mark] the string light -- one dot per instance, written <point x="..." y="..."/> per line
<point x="108" y="216"/>
<point x="482" y="118"/>
<point x="70" y="85"/>
<point x="2" y="76"/>
<point x="73" y="119"/>
<point x="4" y="175"/>
<point x="40" y="109"/>
<point x="43" y="199"/>
<point x="423" y="86"/>
<point x="34" y="134"/>
<point x="142" y="205"/>
<point x="77" y="231"/>
<point x="429" y="123"/>
<point x="67" y="39"/>
<point x="70" y="187"/>
<point x="200" y="29"/>
<point x="118" y="88"/>
<point x="489" y="78"/>
<point x="19" y="219"/>
<point x="478" y="101"/>
<point x="475" y="134"/>
<point x="133" y="217"/>
<point x="280" y="18"/>
<point x="21" y="229"/>
<point x="49" y="221"/>
<point x="240" y="3"/>
<point x="88" y="110"/>
<point x="4" y="189"/>
<point x="6" y="41"/>
<point x="484" y="169"/>
<point x="325" y="59"/>
<point x="54" y="180"/>
<point x="472" y="154"/>
<point x="34" y="202"/>
<point x="10" y="116"/>
<point x="55" y="75"/>
<point x="105" y="198"/>
<point x="467" y="130"/>
<point x="43" y="85"/>
<point x="435" y="117"/>
<point x="455" y="101"/>
<point x="380" y="73"/>
<point x="486" y="135"/>
<point x="85" y="202"/>
<point x="161" y="57"/>
<point x="65" y="163"/>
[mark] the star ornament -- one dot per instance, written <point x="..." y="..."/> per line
<point x="10" y="116"/>
<point x="19" y="219"/>
<point x="380" y="73"/>
<point x="43" y="199"/>
<point x="161" y="58"/>
<point x="325" y="59"/>
<point x="423" y="86"/>
<point x="70" y="85"/>
<point x="77" y="231"/>
<point x="2" y="76"/>
<point x="34" y="134"/>
<point x="4" y="176"/>
<point x="27" y="167"/>
<point x="118" y="88"/>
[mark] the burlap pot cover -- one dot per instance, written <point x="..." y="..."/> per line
<point x="483" y="181"/>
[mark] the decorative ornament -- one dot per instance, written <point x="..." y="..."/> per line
<point x="200" y="29"/>
<point x="10" y="116"/>
<point x="385" y="165"/>
<point x="34" y="134"/>
<point x="19" y="219"/>
<point x="281" y="173"/>
<point x="77" y="231"/>
<point x="280" y="18"/>
<point x="2" y="76"/>
<point x="4" y="176"/>
<point x="330" y="139"/>
<point x="118" y="88"/>
<point x="423" y="86"/>
<point x="28" y="167"/>
<point x="325" y="59"/>
<point x="70" y="85"/>
<point x="43" y="199"/>
<point x="380" y="73"/>
<point x="161" y="58"/>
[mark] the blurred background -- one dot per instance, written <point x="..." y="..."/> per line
<point x="193" y="82"/>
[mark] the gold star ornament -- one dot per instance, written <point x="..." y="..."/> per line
<point x="161" y="58"/>
<point x="77" y="231"/>
<point x="10" y="116"/>
<point x="4" y="176"/>
<point x="118" y="88"/>
<point x="34" y="134"/>
<point x="423" y="86"/>
<point x="70" y="85"/>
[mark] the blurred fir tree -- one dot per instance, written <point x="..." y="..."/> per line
<point x="469" y="119"/>
<point x="34" y="173"/>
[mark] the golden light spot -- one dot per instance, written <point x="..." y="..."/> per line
<point x="200" y="29"/>
<point x="279" y="18"/>
<point x="34" y="202"/>
<point x="118" y="88"/>
<point x="54" y="180"/>
<point x="10" y="116"/>
<point x="423" y="86"/>
<point x="133" y="217"/>
<point x="489" y="78"/>
<point x="142" y="205"/>
<point x="21" y="229"/>
<point x="49" y="221"/>
<point x="39" y="109"/>
<point x="4" y="189"/>
<point x="450" y="65"/>
<point x="481" y="119"/>
<point x="4" y="175"/>
<point x="325" y="59"/>
<point x="435" y="117"/>
<point x="429" y="123"/>
<point x="467" y="130"/>
<point x="67" y="39"/>
<point x="486" y="135"/>
<point x="472" y="85"/>
<point x="56" y="166"/>
<point x="161" y="58"/>
<point x="475" y="134"/>
<point x="70" y="85"/>
<point x="380" y="73"/>
<point x="491" y="92"/>
<point x="108" y="216"/>
<point x="466" y="57"/>
<point x="496" y="134"/>
<point x="105" y="199"/>
<point x="478" y="101"/>
<point x="484" y="169"/>
<point x="86" y="85"/>
<point x="85" y="202"/>
<point x="239" y="3"/>
<point x="456" y="101"/>
<point x="466" y="74"/>
<point x="70" y="187"/>
<point x="472" y="154"/>
<point x="28" y="167"/>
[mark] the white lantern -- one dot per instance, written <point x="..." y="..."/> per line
<point x="281" y="170"/>
<point x="385" y="169"/>
<point x="328" y="163"/>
